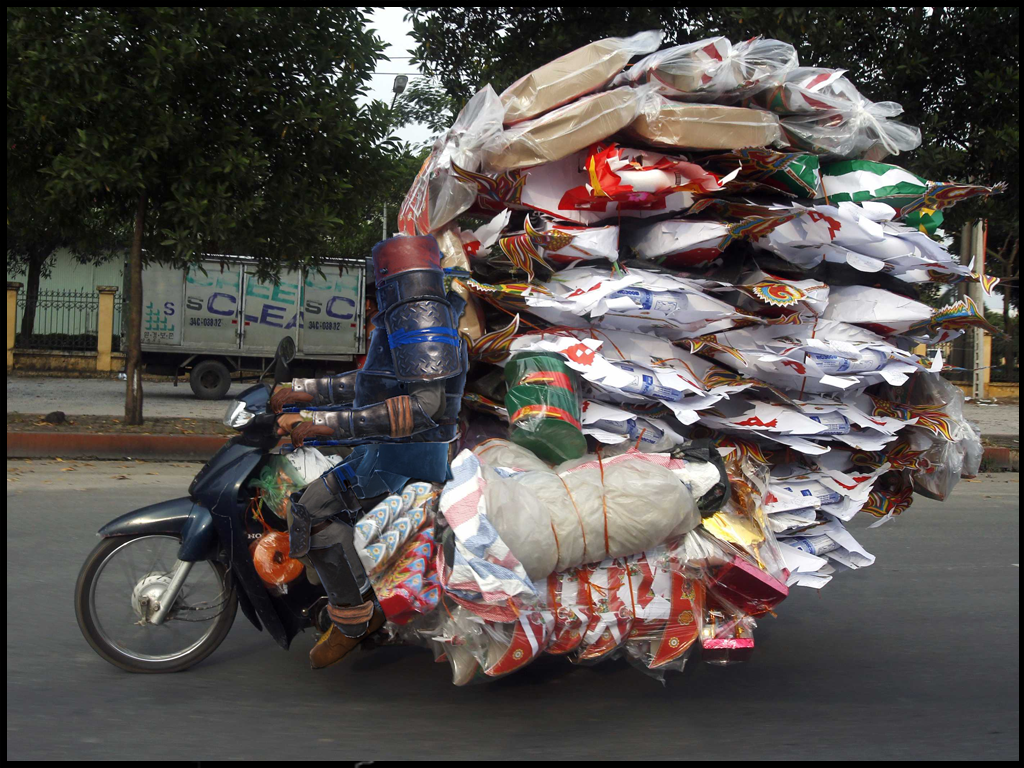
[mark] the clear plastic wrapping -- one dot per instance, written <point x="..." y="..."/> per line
<point x="544" y="406"/>
<point x="826" y="114"/>
<point x="645" y="608"/>
<point x="565" y="130"/>
<point x="674" y="125"/>
<point x="437" y="194"/>
<point x="715" y="70"/>
<point x="586" y="510"/>
<point x="573" y="75"/>
<point x="284" y="474"/>
<point x="382" y="532"/>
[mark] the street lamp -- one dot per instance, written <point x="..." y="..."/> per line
<point x="399" y="85"/>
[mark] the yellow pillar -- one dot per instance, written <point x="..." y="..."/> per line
<point x="105" y="326"/>
<point x="12" y="320"/>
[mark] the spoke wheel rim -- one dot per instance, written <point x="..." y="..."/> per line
<point x="116" y="615"/>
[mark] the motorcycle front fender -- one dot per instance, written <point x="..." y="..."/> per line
<point x="181" y="517"/>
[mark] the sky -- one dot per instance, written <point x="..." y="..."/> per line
<point x="391" y="26"/>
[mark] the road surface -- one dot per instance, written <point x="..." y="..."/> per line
<point x="914" y="658"/>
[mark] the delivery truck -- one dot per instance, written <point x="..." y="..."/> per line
<point x="218" y="321"/>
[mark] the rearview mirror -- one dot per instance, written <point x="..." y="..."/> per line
<point x="286" y="350"/>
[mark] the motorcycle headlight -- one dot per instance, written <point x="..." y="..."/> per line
<point x="237" y="416"/>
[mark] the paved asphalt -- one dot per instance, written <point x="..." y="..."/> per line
<point x="914" y="658"/>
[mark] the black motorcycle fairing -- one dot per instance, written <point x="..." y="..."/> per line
<point x="256" y="398"/>
<point x="166" y="517"/>
<point x="220" y="486"/>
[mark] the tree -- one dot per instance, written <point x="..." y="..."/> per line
<point x="36" y="230"/>
<point x="205" y="130"/>
<point x="964" y="94"/>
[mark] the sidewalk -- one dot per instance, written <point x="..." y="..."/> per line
<point x="105" y="397"/>
<point x="995" y="420"/>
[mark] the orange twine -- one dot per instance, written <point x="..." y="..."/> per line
<point x="604" y="501"/>
<point x="579" y="517"/>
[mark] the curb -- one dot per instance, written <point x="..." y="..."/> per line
<point x="1000" y="459"/>
<point x="44" y="445"/>
<point x="82" y="445"/>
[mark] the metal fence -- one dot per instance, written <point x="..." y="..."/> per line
<point x="64" y="320"/>
<point x="120" y="315"/>
<point x="958" y="355"/>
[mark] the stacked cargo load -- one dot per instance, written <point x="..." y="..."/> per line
<point x="692" y="281"/>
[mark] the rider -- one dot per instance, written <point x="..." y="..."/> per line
<point x="400" y="410"/>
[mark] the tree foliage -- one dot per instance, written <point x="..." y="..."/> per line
<point x="201" y="130"/>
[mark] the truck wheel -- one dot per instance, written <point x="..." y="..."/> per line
<point x="210" y="380"/>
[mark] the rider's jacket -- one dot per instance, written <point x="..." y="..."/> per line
<point x="410" y="387"/>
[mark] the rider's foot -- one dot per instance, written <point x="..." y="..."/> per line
<point x="333" y="645"/>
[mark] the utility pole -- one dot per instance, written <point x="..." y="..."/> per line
<point x="981" y="360"/>
<point x="401" y="81"/>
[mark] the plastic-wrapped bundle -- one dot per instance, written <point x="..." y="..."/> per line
<point x="573" y="75"/>
<point x="550" y="245"/>
<point x="544" y="406"/>
<point x="691" y="242"/>
<point x="381" y="532"/>
<point x="674" y="125"/>
<point x="593" y="509"/>
<point x="914" y="198"/>
<point x="861" y="236"/>
<point x="890" y="314"/>
<point x="565" y="130"/>
<point x="806" y="426"/>
<point x="638" y="300"/>
<point x="636" y="178"/>
<point x="409" y="586"/>
<point x="615" y="426"/>
<point x="814" y="355"/>
<point x="941" y="445"/>
<point x="438" y="194"/>
<point x="588" y="186"/>
<point x="285" y="474"/>
<point x="553" y="519"/>
<point x="827" y="115"/>
<point x="644" y="606"/>
<point x="715" y="70"/>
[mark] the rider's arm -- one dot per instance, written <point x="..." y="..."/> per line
<point x="395" y="417"/>
<point x="316" y="393"/>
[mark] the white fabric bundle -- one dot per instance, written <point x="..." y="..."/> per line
<point x="586" y="510"/>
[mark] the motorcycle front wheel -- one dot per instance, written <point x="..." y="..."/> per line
<point x="121" y="581"/>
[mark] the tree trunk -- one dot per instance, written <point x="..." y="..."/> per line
<point x="35" y="269"/>
<point x="133" y="361"/>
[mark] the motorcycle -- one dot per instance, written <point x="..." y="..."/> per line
<point x="160" y="592"/>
